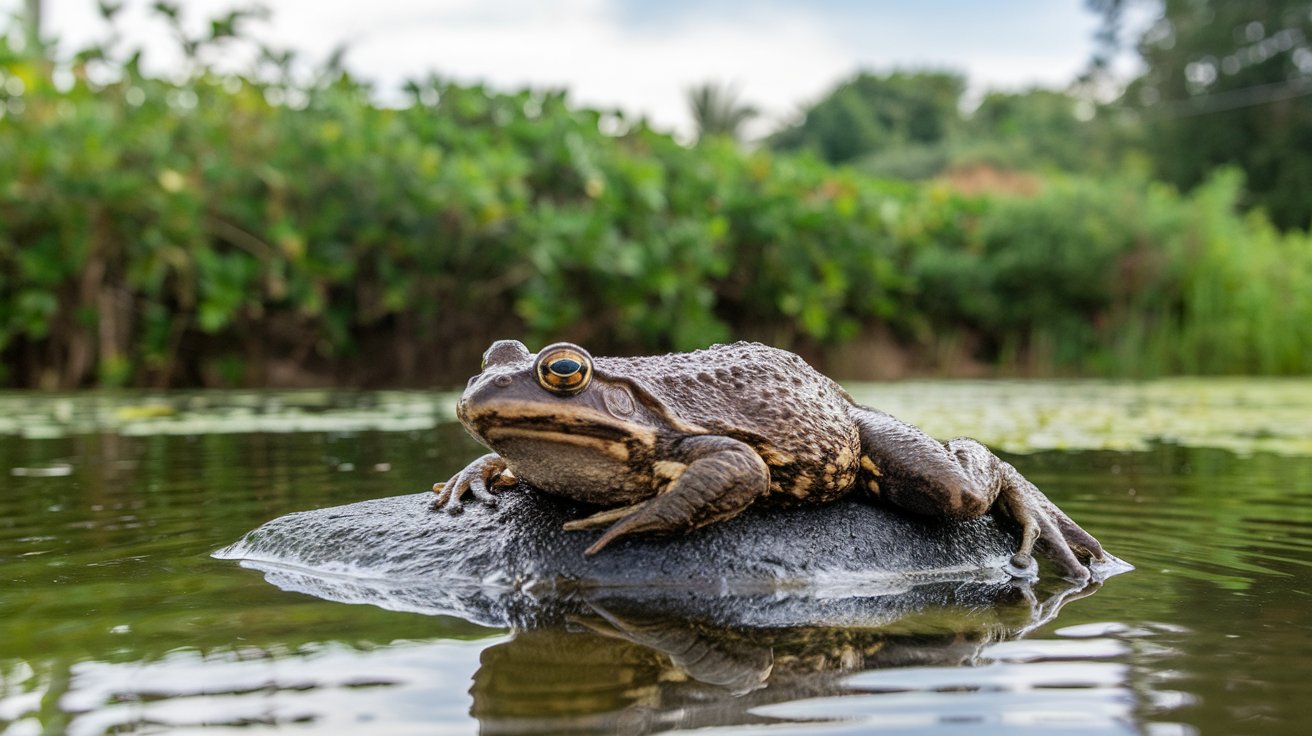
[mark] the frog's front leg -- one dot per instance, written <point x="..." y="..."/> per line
<point x="713" y="479"/>
<point x="963" y="479"/>
<point x="478" y="477"/>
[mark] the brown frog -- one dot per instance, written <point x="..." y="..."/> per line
<point x="675" y="442"/>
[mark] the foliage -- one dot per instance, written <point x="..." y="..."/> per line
<point x="1124" y="277"/>
<point x="1035" y="129"/>
<point x="1228" y="84"/>
<point x="871" y="114"/>
<point x="245" y="229"/>
<point x="911" y="125"/>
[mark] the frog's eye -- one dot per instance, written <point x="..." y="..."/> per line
<point x="564" y="369"/>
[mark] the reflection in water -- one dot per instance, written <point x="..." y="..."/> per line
<point x="332" y="687"/>
<point x="627" y="667"/>
<point x="611" y="672"/>
<point x="114" y="618"/>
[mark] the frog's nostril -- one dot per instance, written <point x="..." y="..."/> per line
<point x="502" y="380"/>
<point x="470" y="382"/>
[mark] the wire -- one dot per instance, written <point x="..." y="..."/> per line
<point x="1234" y="99"/>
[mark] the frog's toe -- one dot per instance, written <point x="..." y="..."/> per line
<point x="643" y="516"/>
<point x="601" y="518"/>
<point x="1080" y="542"/>
<point x="629" y="525"/>
<point x="1061" y="550"/>
<point x="1048" y="528"/>
<point x="449" y="493"/>
<point x="476" y="479"/>
<point x="478" y="488"/>
<point x="1022" y="566"/>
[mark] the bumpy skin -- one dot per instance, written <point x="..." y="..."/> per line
<point x="675" y="442"/>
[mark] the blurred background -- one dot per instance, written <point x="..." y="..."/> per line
<point x="198" y="194"/>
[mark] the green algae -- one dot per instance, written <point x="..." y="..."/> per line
<point x="1243" y="415"/>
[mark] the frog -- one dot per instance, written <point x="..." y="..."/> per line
<point x="670" y="443"/>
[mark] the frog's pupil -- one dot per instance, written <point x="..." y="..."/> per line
<point x="565" y="367"/>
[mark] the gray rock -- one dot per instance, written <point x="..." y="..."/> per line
<point x="842" y="563"/>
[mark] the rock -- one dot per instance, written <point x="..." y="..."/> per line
<point x="839" y="563"/>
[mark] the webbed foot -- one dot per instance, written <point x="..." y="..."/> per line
<point x="1045" y="526"/>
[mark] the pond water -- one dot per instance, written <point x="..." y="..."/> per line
<point x="114" y="618"/>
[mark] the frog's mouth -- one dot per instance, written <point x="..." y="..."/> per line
<point x="503" y="423"/>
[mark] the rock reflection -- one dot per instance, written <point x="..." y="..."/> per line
<point x="621" y="665"/>
<point x="690" y="631"/>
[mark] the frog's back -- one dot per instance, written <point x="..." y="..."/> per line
<point x="795" y="417"/>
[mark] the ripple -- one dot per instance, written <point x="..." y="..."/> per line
<point x="1055" y="650"/>
<point x="1104" y="709"/>
<point x="335" y="688"/>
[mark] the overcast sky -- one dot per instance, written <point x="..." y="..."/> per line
<point x="641" y="56"/>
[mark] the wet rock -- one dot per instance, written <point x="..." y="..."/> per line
<point x="512" y="564"/>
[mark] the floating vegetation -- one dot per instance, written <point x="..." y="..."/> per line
<point x="1241" y="415"/>
<point x="36" y="416"/>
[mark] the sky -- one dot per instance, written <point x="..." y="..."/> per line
<point x="642" y="56"/>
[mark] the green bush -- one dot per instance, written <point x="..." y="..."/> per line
<point x="242" y="229"/>
<point x="1127" y="277"/>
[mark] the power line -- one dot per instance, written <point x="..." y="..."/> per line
<point x="1234" y="99"/>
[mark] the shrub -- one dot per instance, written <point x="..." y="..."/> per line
<point x="243" y="229"/>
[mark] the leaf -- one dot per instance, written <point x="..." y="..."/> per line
<point x="108" y="10"/>
<point x="167" y="9"/>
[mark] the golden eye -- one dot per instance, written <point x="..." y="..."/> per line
<point x="564" y="369"/>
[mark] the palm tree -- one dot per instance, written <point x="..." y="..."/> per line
<point x="716" y="110"/>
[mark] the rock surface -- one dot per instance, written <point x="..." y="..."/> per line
<point x="512" y="564"/>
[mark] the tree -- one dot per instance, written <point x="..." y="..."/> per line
<point x="716" y="110"/>
<point x="1228" y="84"/>
<point x="1037" y="128"/>
<point x="870" y="114"/>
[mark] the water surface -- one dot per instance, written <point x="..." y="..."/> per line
<point x="114" y="617"/>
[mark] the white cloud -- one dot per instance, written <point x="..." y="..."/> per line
<point x="781" y="55"/>
<point x="776" y="61"/>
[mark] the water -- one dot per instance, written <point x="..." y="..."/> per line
<point x="115" y="619"/>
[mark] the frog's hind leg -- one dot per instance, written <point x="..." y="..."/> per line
<point x="963" y="479"/>
<point x="720" y="478"/>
